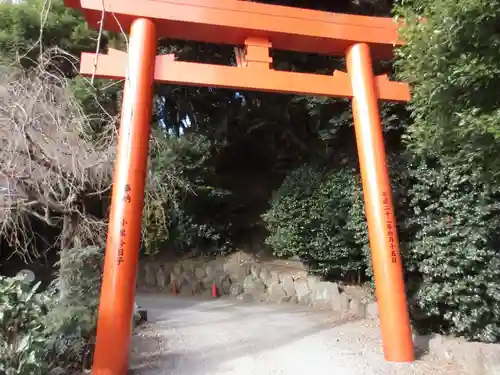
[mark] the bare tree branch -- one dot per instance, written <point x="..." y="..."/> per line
<point x="49" y="165"/>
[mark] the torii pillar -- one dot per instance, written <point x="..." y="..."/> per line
<point x="257" y="27"/>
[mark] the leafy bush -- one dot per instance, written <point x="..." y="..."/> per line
<point x="310" y="216"/>
<point x="452" y="63"/>
<point x="457" y="225"/>
<point x="358" y="226"/>
<point x="40" y="331"/>
<point x="22" y="336"/>
<point x="72" y="318"/>
<point x="321" y="217"/>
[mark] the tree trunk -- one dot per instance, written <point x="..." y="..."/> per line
<point x="70" y="237"/>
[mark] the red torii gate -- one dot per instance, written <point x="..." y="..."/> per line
<point x="257" y="27"/>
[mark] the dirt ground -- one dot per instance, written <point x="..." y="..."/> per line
<point x="187" y="336"/>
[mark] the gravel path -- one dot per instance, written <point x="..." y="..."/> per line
<point x="187" y="336"/>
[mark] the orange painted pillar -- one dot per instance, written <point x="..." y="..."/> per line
<point x="387" y="268"/>
<point x="122" y="249"/>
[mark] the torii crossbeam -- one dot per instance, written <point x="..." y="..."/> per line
<point x="257" y="28"/>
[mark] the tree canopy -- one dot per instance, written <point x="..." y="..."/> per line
<point x="451" y="60"/>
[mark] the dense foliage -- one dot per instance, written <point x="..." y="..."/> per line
<point x="318" y="215"/>
<point x="309" y="217"/>
<point x="452" y="61"/>
<point x="42" y="331"/>
<point x="185" y="220"/>
<point x="22" y="346"/>
<point x="455" y="249"/>
<point x="72" y="317"/>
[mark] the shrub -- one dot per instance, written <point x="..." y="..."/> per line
<point x="310" y="216"/>
<point x="452" y="62"/>
<point x="22" y="337"/>
<point x="457" y="236"/>
<point x="71" y="321"/>
<point x="358" y="226"/>
<point x="321" y="217"/>
<point x="43" y="331"/>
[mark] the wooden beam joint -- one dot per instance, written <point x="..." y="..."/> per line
<point x="257" y="53"/>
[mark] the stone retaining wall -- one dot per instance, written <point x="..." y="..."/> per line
<point x="249" y="280"/>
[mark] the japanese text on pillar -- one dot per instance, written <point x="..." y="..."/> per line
<point x="390" y="226"/>
<point x="123" y="233"/>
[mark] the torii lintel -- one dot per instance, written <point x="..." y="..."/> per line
<point x="233" y="21"/>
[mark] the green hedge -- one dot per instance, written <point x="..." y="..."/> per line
<point x="449" y="228"/>
<point x="452" y="61"/>
<point x="312" y="216"/>
<point x="456" y="220"/>
<point x="319" y="216"/>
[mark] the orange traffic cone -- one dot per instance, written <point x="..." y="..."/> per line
<point x="174" y="288"/>
<point x="214" y="290"/>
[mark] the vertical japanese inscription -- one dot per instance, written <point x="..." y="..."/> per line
<point x="123" y="233"/>
<point x="389" y="226"/>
